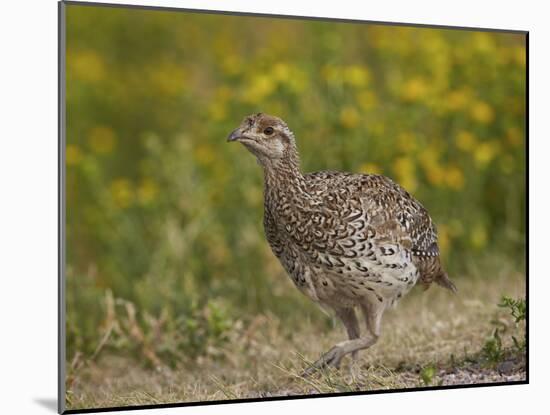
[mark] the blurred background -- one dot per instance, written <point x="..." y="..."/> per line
<point x="164" y="218"/>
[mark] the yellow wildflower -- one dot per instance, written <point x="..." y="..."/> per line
<point x="484" y="42"/>
<point x="260" y="88"/>
<point x="357" y="76"/>
<point x="349" y="117"/>
<point x="366" y="100"/>
<point x="514" y="136"/>
<point x="443" y="238"/>
<point x="520" y="55"/>
<point x="232" y="64"/>
<point x="122" y="193"/>
<point x="73" y="155"/>
<point x="378" y="128"/>
<point x="457" y="99"/>
<point x="218" y="106"/>
<point x="482" y="112"/>
<point x="281" y="72"/>
<point x="405" y="171"/>
<point x="415" y="89"/>
<point x="168" y="77"/>
<point x="87" y="66"/>
<point x="331" y="74"/>
<point x="370" y="168"/>
<point x="478" y="237"/>
<point x="435" y="174"/>
<point x="147" y="191"/>
<point x="465" y="141"/>
<point x="298" y="81"/>
<point x="102" y="139"/>
<point x="485" y="152"/>
<point x="430" y="164"/>
<point x="454" y="177"/>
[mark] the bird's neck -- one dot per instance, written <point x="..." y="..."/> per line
<point x="283" y="176"/>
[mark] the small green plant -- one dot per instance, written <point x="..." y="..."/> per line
<point x="427" y="374"/>
<point x="518" y="310"/>
<point x="517" y="307"/>
<point x="163" y="339"/>
<point x="204" y="329"/>
<point x="492" y="350"/>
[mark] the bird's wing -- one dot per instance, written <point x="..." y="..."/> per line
<point x="357" y="214"/>
<point x="368" y="221"/>
<point x="408" y="214"/>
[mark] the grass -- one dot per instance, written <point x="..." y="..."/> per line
<point x="431" y="338"/>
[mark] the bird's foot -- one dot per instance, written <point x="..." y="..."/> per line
<point x="355" y="370"/>
<point x="331" y="358"/>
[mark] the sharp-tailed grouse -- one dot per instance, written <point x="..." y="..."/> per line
<point x="346" y="240"/>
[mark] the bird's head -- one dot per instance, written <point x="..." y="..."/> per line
<point x="265" y="136"/>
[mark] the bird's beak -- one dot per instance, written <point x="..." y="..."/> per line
<point x="235" y="135"/>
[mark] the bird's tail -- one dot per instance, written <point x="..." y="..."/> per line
<point x="444" y="280"/>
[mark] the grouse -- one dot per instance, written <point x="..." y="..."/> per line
<point x="348" y="241"/>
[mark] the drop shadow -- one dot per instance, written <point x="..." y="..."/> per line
<point x="48" y="403"/>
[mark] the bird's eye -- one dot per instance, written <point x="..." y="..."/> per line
<point x="268" y="131"/>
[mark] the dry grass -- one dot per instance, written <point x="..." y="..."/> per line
<point x="427" y="329"/>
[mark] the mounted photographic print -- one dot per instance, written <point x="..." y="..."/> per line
<point x="260" y="207"/>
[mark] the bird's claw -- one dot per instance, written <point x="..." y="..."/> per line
<point x="331" y="358"/>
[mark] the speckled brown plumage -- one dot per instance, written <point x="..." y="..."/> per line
<point x="346" y="240"/>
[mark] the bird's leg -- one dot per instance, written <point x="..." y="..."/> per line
<point x="373" y="316"/>
<point x="349" y="319"/>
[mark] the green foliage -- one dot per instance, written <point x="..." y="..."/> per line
<point x="494" y="351"/>
<point x="166" y="215"/>
<point x="517" y="308"/>
<point x="204" y="329"/>
<point x="166" y="339"/>
<point x="427" y="374"/>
